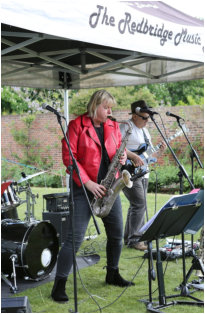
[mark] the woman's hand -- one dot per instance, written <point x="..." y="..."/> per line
<point x="97" y="189"/>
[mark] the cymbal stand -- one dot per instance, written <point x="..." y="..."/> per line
<point x="33" y="202"/>
<point x="30" y="202"/>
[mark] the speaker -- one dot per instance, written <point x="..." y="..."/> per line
<point x="57" y="202"/>
<point x="60" y="221"/>
<point x="15" y="305"/>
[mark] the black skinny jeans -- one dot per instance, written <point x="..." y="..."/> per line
<point x="113" y="224"/>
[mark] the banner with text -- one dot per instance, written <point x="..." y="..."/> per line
<point x="142" y="27"/>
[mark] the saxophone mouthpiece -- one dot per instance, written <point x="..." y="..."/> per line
<point x="112" y="118"/>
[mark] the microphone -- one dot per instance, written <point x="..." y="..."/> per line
<point x="173" y="115"/>
<point x="150" y="112"/>
<point x="51" y="109"/>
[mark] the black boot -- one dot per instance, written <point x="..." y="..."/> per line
<point x="58" y="291"/>
<point x="113" y="278"/>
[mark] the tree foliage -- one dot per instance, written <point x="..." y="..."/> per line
<point x="31" y="153"/>
<point x="123" y="95"/>
<point x="179" y="93"/>
<point x="15" y="100"/>
<point x="184" y="93"/>
<point x="12" y="101"/>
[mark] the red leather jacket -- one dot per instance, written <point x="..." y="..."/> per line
<point x="86" y="146"/>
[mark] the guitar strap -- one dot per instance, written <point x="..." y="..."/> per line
<point x="146" y="138"/>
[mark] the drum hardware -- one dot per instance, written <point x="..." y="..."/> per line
<point x="13" y="289"/>
<point x="5" y="195"/>
<point x="9" y="200"/>
<point x="13" y="199"/>
<point x="30" y="197"/>
<point x="13" y="258"/>
<point x="30" y="201"/>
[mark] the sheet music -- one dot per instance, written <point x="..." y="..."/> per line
<point x="174" y="202"/>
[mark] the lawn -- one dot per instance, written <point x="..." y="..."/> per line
<point x="93" y="295"/>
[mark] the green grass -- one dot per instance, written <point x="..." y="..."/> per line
<point x="111" y="299"/>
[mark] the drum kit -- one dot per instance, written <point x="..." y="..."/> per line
<point x="29" y="247"/>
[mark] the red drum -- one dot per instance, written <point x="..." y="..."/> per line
<point x="9" y="200"/>
<point x="34" y="244"/>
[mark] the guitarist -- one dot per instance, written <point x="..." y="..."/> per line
<point x="137" y="194"/>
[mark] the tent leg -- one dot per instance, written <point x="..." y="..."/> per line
<point x="66" y="114"/>
<point x="66" y="107"/>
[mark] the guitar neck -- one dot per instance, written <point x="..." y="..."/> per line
<point x="157" y="147"/>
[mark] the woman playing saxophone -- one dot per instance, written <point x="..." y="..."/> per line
<point x="94" y="141"/>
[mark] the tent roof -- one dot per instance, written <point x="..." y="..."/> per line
<point x="69" y="45"/>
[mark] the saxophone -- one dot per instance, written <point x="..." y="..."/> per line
<point x="102" y="206"/>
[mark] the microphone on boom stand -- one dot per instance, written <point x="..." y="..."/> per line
<point x="174" y="116"/>
<point x="51" y="109"/>
<point x="145" y="110"/>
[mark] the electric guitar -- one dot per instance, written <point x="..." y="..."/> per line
<point x="145" y="152"/>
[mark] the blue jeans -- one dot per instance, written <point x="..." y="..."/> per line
<point x="136" y="212"/>
<point x="113" y="224"/>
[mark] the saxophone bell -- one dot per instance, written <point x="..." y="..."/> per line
<point x="102" y="206"/>
<point x="126" y="178"/>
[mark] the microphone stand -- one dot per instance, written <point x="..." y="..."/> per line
<point x="71" y="168"/>
<point x="182" y="171"/>
<point x="193" y="153"/>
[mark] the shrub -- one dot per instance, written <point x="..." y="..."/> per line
<point x="167" y="179"/>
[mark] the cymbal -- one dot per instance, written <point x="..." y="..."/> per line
<point x="30" y="176"/>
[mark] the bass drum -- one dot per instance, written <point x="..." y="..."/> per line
<point x="35" y="245"/>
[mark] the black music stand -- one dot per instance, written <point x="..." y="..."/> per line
<point x="171" y="220"/>
<point x="193" y="227"/>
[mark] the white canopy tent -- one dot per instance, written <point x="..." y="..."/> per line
<point x="87" y="44"/>
<point x="77" y="44"/>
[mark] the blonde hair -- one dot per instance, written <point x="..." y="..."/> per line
<point x="97" y="98"/>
